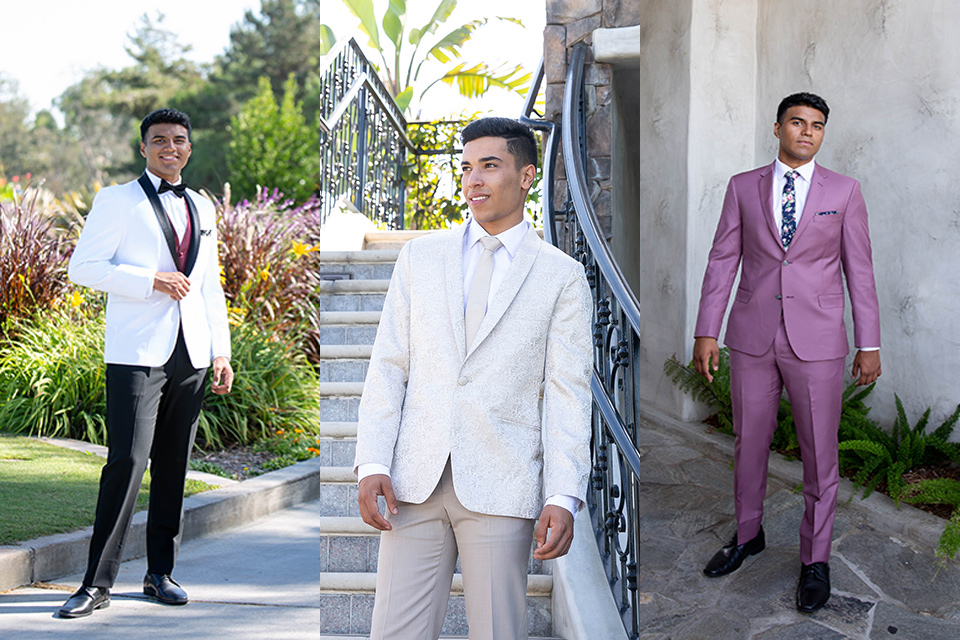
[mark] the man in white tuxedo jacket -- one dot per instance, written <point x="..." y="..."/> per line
<point x="151" y="244"/>
<point x="475" y="415"/>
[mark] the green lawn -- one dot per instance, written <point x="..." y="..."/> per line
<point x="45" y="489"/>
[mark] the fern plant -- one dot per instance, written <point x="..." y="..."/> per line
<point x="715" y="395"/>
<point x="887" y="456"/>
<point x="940" y="491"/>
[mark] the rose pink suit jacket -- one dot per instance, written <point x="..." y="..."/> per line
<point x="805" y="281"/>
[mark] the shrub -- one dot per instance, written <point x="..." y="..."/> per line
<point x="52" y="376"/>
<point x="33" y="256"/>
<point x="269" y="277"/>
<point x="275" y="389"/>
<point x="939" y="491"/>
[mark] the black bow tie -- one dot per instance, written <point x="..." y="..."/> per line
<point x="178" y="189"/>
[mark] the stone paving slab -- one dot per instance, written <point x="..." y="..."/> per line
<point x="886" y="581"/>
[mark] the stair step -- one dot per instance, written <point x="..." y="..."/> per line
<point x="339" y="389"/>
<point x="340" y="408"/>
<point x="365" y="256"/>
<point x="351" y="301"/>
<point x="348" y="317"/>
<point x="341" y="370"/>
<point x="347" y="334"/>
<point x="345" y="429"/>
<point x="353" y="286"/>
<point x="344" y="582"/>
<point x="384" y="240"/>
<point x="345" y="351"/>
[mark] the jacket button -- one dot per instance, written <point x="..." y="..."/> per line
<point x="779" y="297"/>
<point x="462" y="381"/>
<point x="786" y="262"/>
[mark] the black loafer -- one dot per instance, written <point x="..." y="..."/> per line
<point x="730" y="557"/>
<point x="85" y="601"/>
<point x="814" y="588"/>
<point x="163" y="588"/>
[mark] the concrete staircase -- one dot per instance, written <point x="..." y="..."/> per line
<point x="350" y="315"/>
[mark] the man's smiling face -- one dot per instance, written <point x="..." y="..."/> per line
<point x="493" y="186"/>
<point x="167" y="149"/>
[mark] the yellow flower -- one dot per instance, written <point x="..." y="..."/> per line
<point x="300" y="249"/>
<point x="265" y="274"/>
<point x="75" y="299"/>
<point x="298" y="430"/>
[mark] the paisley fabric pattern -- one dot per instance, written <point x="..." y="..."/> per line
<point x="512" y="412"/>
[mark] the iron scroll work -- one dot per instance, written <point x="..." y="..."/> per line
<point x="613" y="493"/>
<point x="363" y="139"/>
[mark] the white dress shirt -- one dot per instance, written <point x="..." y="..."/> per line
<point x="175" y="207"/>
<point x="511" y="239"/>
<point x="801" y="186"/>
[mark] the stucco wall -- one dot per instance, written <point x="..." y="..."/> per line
<point x="890" y="71"/>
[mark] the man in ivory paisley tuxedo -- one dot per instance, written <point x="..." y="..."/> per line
<point x="795" y="231"/>
<point x="475" y="415"/>
<point x="151" y="244"/>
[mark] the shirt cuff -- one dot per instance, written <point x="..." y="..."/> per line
<point x="868" y="348"/>
<point x="371" y="469"/>
<point x="569" y="503"/>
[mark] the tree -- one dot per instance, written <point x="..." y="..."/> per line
<point x="401" y="67"/>
<point x="272" y="146"/>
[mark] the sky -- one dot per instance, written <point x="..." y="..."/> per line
<point x="48" y="45"/>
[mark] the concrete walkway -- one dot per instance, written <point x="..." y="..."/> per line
<point x="270" y="578"/>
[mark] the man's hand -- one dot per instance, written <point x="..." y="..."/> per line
<point x="559" y="522"/>
<point x="371" y="487"/>
<point x="706" y="356"/>
<point x="222" y="376"/>
<point x="866" y="364"/>
<point x="172" y="283"/>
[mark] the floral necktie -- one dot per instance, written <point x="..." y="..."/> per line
<point x="788" y="204"/>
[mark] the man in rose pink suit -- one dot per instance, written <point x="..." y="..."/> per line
<point x="795" y="227"/>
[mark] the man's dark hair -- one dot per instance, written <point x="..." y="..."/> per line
<point x="164" y="116"/>
<point x="520" y="140"/>
<point x="811" y="100"/>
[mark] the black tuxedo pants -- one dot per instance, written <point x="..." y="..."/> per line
<point x="152" y="412"/>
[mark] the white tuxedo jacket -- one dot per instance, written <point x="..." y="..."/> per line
<point x="120" y="250"/>
<point x="513" y="412"/>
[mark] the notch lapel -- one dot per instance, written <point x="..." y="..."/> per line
<point x="453" y="281"/>
<point x="766" y="196"/>
<point x="519" y="268"/>
<point x="814" y="196"/>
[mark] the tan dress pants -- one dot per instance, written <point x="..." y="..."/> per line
<point x="417" y="561"/>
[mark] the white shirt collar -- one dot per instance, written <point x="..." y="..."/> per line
<point x="156" y="180"/>
<point x="805" y="170"/>
<point x="512" y="238"/>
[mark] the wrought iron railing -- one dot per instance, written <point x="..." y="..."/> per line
<point x="363" y="138"/>
<point x="613" y="493"/>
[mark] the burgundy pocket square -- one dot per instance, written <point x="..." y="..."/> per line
<point x="827" y="213"/>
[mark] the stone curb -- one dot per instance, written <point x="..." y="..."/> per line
<point x="51" y="557"/>
<point x="907" y="521"/>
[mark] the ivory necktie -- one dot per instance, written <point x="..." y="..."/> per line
<point x="788" y="204"/>
<point x="480" y="288"/>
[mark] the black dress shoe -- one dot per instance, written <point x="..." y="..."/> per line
<point x="730" y="557"/>
<point x="163" y="588"/>
<point x="814" y="588"/>
<point x="85" y="601"/>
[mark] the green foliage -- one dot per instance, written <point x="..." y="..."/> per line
<point x="275" y="388"/>
<point x="434" y="195"/>
<point x="52" y="376"/>
<point x="205" y="466"/>
<point x="939" y="491"/>
<point x="33" y="257"/>
<point x="715" y="395"/>
<point x="290" y="446"/>
<point x="400" y="66"/>
<point x="885" y="457"/>
<point x="272" y="144"/>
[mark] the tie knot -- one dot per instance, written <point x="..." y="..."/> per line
<point x="791" y="175"/>
<point x="178" y="189"/>
<point x="490" y="243"/>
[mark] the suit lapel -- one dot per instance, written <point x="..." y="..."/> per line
<point x="766" y="200"/>
<point x="516" y="274"/>
<point x="165" y="227"/>
<point x="453" y="269"/>
<point x="814" y="195"/>
<point x="194" y="249"/>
